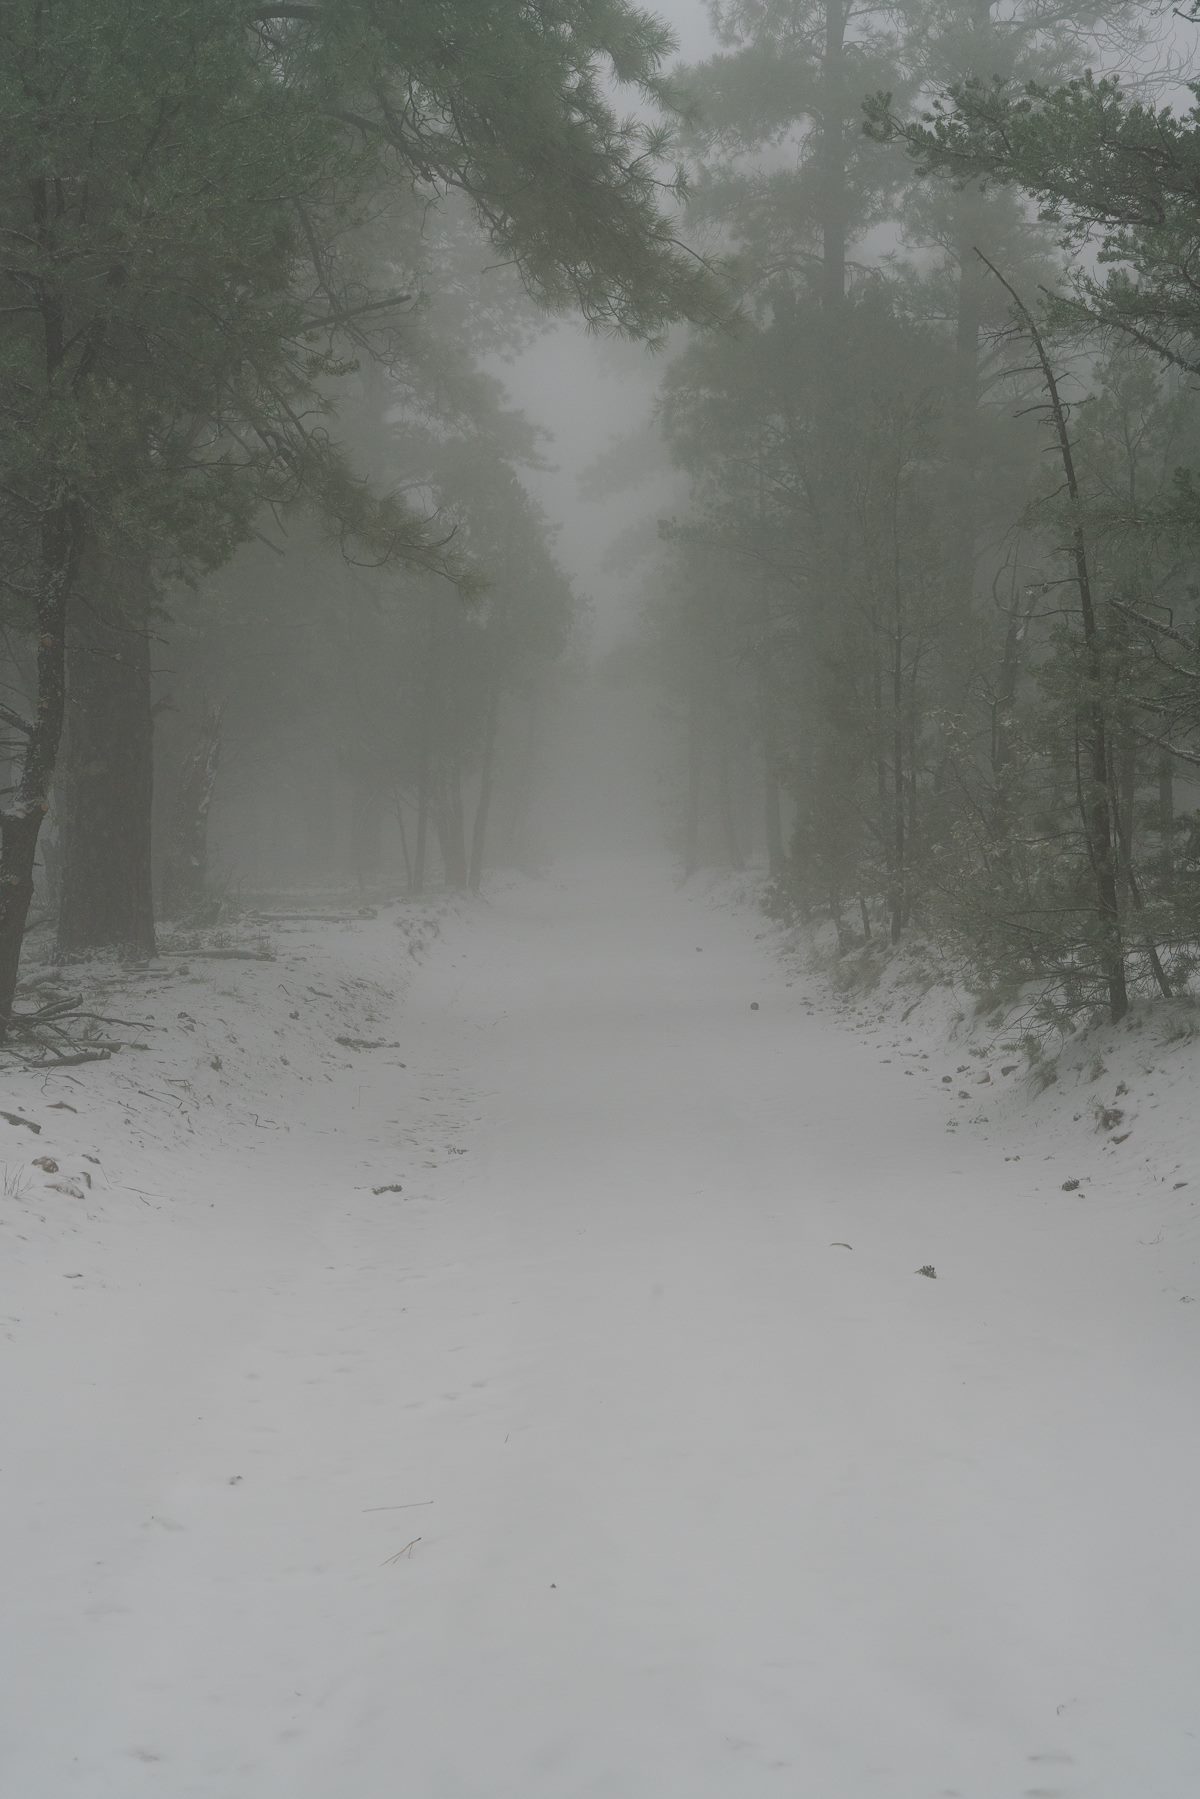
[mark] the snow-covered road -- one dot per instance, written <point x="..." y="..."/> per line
<point x="591" y="1466"/>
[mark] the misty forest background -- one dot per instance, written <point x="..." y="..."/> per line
<point x="908" y="496"/>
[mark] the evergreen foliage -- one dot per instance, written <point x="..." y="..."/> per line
<point x="203" y="214"/>
<point x="962" y="478"/>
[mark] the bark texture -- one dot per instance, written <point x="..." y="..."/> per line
<point x="107" y="898"/>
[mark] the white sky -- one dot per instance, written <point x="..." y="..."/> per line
<point x="689" y="20"/>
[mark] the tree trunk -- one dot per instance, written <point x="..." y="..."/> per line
<point x="185" y="867"/>
<point x="1166" y="819"/>
<point x="107" y="898"/>
<point x="1126" y="790"/>
<point x="18" y="854"/>
<point x="1098" y="800"/>
<point x="60" y="548"/>
<point x="60" y="540"/>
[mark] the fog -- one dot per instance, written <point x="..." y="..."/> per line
<point x="599" y="900"/>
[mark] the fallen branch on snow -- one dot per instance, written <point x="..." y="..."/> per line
<point x="46" y="1039"/>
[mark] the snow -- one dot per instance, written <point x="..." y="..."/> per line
<point x="588" y="1465"/>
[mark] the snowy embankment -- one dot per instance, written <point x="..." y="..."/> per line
<point x="550" y="1407"/>
<point x="227" y="1038"/>
<point x="1109" y="1111"/>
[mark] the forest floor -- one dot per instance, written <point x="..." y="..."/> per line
<point x="546" y="1404"/>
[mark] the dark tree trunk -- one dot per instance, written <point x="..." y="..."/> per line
<point x="61" y="545"/>
<point x="1126" y="790"/>
<point x="18" y="854"/>
<point x="185" y="867"/>
<point x="107" y="898"/>
<point x="1166" y="819"/>
<point x="19" y="683"/>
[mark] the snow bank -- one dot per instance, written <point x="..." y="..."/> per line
<point x="229" y="1036"/>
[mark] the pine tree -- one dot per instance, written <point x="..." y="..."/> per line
<point x="174" y="197"/>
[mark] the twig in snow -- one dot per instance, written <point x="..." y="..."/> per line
<point x="407" y="1550"/>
